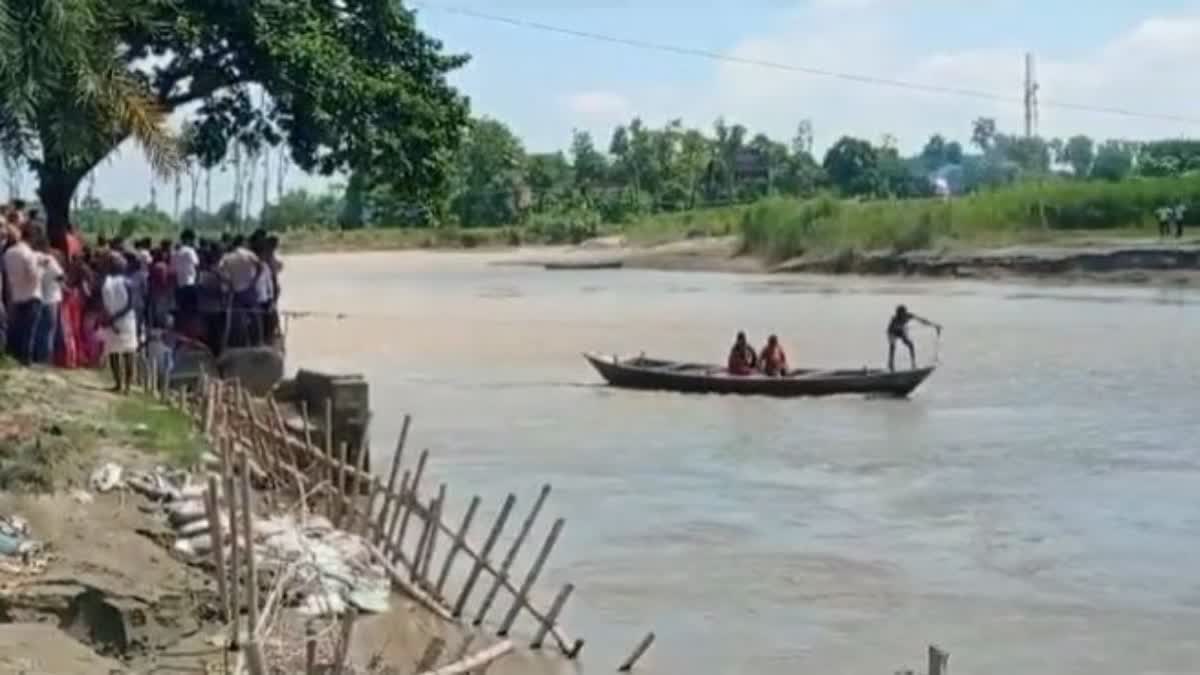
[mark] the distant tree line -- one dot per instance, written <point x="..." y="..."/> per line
<point x="494" y="181"/>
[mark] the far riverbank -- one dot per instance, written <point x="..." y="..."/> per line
<point x="1113" y="260"/>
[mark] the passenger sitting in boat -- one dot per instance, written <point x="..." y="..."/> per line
<point x="772" y="359"/>
<point x="897" y="331"/>
<point x="742" y="359"/>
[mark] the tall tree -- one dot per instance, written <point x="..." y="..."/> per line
<point x="589" y="165"/>
<point x="350" y="84"/>
<point x="1079" y="152"/>
<point x="489" y="175"/>
<point x="66" y="97"/>
<point x="983" y="133"/>
<point x="852" y="165"/>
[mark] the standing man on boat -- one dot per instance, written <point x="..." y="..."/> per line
<point x="897" y="331"/>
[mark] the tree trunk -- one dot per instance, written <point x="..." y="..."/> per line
<point x="56" y="187"/>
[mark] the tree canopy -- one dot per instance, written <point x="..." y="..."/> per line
<point x="346" y="84"/>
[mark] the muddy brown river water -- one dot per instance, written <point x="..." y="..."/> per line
<point x="1034" y="508"/>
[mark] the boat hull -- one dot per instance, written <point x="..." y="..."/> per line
<point x="697" y="378"/>
<point x="589" y="265"/>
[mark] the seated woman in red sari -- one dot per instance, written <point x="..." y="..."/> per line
<point x="742" y="359"/>
<point x="774" y="361"/>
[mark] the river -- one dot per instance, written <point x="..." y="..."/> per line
<point x="1032" y="509"/>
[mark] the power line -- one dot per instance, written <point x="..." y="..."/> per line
<point x="806" y="70"/>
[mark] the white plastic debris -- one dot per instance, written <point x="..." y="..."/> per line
<point x="186" y="511"/>
<point x="106" y="478"/>
<point x="335" y="567"/>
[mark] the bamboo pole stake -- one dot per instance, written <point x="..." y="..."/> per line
<point x="248" y="533"/>
<point x="531" y="578"/>
<point x="456" y="544"/>
<point x="254" y="658"/>
<point x="939" y="661"/>
<point x="343" y="651"/>
<point x="486" y="551"/>
<point x="310" y="649"/>
<point x="333" y="465"/>
<point x="207" y="387"/>
<point x="361" y="460"/>
<point x="388" y="538"/>
<point x="389" y="492"/>
<point x="366" y="511"/>
<point x="556" y="608"/>
<point x="476" y="663"/>
<point x="213" y="511"/>
<point x="414" y="490"/>
<point x="418" y="561"/>
<point x="357" y="477"/>
<point x="234" y="549"/>
<point x="512" y="554"/>
<point x="638" y="651"/>
<point x="435" y="519"/>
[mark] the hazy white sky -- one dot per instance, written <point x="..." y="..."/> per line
<point x="1110" y="53"/>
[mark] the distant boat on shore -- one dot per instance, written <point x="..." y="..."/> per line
<point x="585" y="265"/>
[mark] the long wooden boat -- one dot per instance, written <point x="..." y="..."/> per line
<point x="641" y="372"/>
<point x="585" y="265"/>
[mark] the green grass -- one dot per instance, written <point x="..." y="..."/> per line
<point x="156" y="429"/>
<point x="1056" y="211"/>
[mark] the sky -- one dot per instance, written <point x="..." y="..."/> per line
<point x="1137" y="56"/>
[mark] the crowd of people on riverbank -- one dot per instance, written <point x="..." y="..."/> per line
<point x="77" y="303"/>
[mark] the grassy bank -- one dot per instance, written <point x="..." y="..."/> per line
<point x="1046" y="213"/>
<point x="57" y="425"/>
<point x="1050" y="212"/>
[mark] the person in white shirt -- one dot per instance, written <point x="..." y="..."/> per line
<point x="185" y="263"/>
<point x="240" y="271"/>
<point x="47" y="332"/>
<point x="120" y="323"/>
<point x="23" y="272"/>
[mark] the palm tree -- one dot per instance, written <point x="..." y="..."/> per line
<point x="66" y="94"/>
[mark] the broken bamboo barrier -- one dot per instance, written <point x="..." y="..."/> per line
<point x="522" y="597"/>
<point x="476" y="663"/>
<point x="415" y="492"/>
<point x="457" y="543"/>
<point x="556" y="608"/>
<point x="512" y="554"/>
<point x="939" y="661"/>
<point x="407" y="586"/>
<point x="481" y="558"/>
<point x="213" y="511"/>
<point x="248" y="533"/>
<point x="637" y="653"/>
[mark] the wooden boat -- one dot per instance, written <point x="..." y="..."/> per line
<point x="585" y="265"/>
<point x="641" y="372"/>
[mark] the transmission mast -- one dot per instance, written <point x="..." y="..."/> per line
<point x="1031" y="97"/>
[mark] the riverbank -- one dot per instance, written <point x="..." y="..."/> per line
<point x="100" y="583"/>
<point x="1100" y="260"/>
